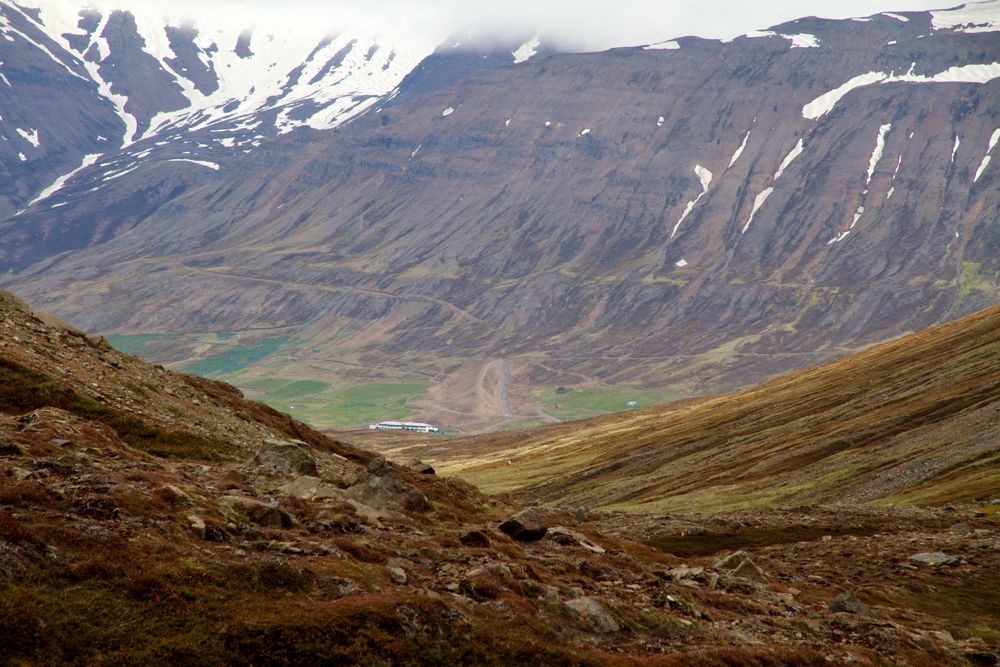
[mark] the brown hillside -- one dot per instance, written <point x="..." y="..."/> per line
<point x="145" y="518"/>
<point x="915" y="420"/>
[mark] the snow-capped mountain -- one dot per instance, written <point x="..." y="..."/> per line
<point x="135" y="77"/>
<point x="691" y="211"/>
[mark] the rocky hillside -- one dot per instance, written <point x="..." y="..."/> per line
<point x="697" y="214"/>
<point x="916" y="420"/>
<point x="147" y="516"/>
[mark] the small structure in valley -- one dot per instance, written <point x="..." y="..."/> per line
<point x="417" y="427"/>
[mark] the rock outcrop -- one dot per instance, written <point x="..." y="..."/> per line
<point x="525" y="526"/>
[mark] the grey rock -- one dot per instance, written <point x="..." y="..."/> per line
<point x="685" y="573"/>
<point x="281" y="456"/>
<point x="421" y="467"/>
<point x="197" y="526"/>
<point x="259" y="512"/>
<point x="177" y="494"/>
<point x="961" y="529"/>
<point x="525" y="526"/>
<point x="567" y="537"/>
<point x="592" y="616"/>
<point x="379" y="467"/>
<point x="396" y="574"/>
<point x="848" y="603"/>
<point x="935" y="558"/>
<point x="310" y="488"/>
<point x="381" y="488"/>
<point x="693" y="531"/>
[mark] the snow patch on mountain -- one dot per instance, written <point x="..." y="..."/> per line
<point x="971" y="17"/>
<point x="705" y="177"/>
<point x="876" y="155"/>
<point x="994" y="138"/>
<point x="204" y="163"/>
<point x="31" y="136"/>
<point x="794" y="153"/>
<point x="670" y="45"/>
<point x="524" y="52"/>
<point x="758" y="202"/>
<point x="739" y="151"/>
<point x="799" y="41"/>
<point x="62" y="180"/>
<point x="978" y="73"/>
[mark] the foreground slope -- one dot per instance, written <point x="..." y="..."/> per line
<point x="915" y="420"/>
<point x="151" y="517"/>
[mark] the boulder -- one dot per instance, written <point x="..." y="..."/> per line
<point x="848" y="603"/>
<point x="197" y="526"/>
<point x="11" y="449"/>
<point x="381" y="487"/>
<point x="525" y="526"/>
<point x="961" y="529"/>
<point x="684" y="574"/>
<point x="592" y="616"/>
<point x="286" y="457"/>
<point x="259" y="512"/>
<point x="475" y="538"/>
<point x="935" y="558"/>
<point x="304" y="487"/>
<point x="421" y="467"/>
<point x="379" y="467"/>
<point x="567" y="537"/>
<point x="309" y="488"/>
<point x="396" y="574"/>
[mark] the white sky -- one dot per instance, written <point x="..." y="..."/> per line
<point x="584" y="24"/>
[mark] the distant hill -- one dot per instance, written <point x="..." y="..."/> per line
<point x="913" y="421"/>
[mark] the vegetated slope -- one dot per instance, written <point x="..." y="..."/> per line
<point x="152" y="517"/>
<point x="915" y="420"/>
<point x="702" y="216"/>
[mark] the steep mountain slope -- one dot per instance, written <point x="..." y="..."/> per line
<point x="700" y="215"/>
<point x="152" y="517"/>
<point x="916" y="420"/>
<point x="81" y="87"/>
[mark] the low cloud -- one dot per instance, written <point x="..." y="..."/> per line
<point x="580" y="25"/>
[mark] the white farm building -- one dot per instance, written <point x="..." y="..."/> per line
<point x="417" y="427"/>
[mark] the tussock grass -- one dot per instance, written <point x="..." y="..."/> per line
<point x="23" y="390"/>
<point x="914" y="420"/>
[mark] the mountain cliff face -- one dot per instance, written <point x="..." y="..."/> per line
<point x="695" y="213"/>
<point x="84" y="86"/>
